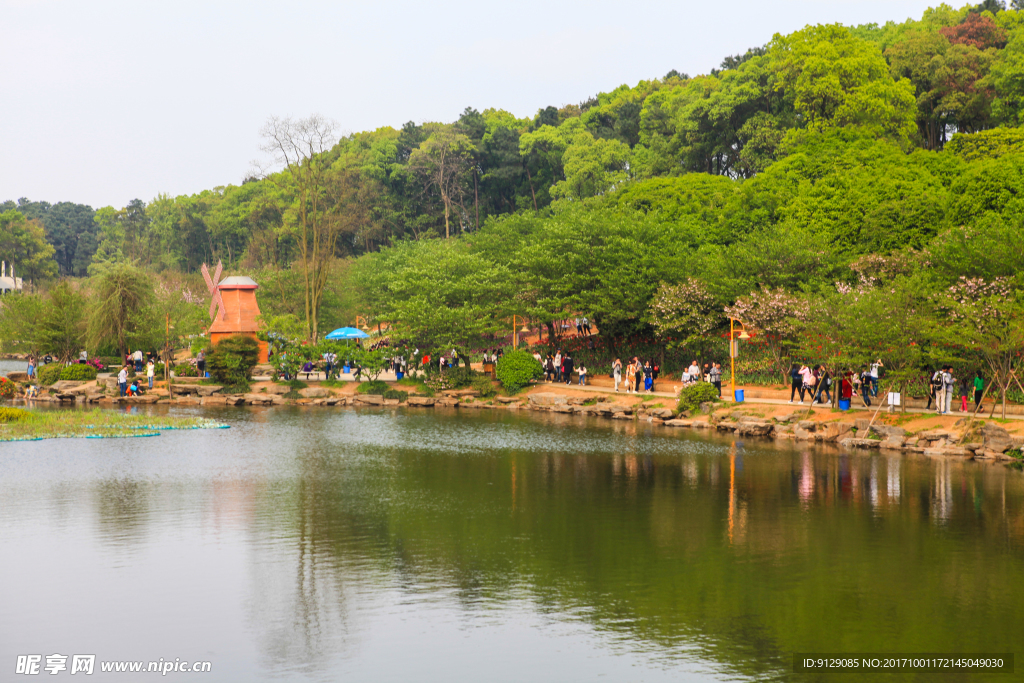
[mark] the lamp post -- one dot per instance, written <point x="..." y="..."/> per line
<point x="515" y="334"/>
<point x="734" y="348"/>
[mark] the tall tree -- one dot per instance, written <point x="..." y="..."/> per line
<point x="443" y="161"/>
<point x="301" y="146"/>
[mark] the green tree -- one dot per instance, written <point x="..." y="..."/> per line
<point x="23" y="247"/>
<point x="61" y="330"/>
<point x="121" y="312"/>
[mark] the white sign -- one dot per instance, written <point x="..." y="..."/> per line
<point x="894" y="398"/>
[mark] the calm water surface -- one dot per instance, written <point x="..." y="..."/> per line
<point x="372" y="545"/>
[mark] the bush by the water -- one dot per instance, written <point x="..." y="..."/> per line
<point x="232" y="360"/>
<point x="48" y="374"/>
<point x="516" y="368"/>
<point x="13" y="414"/>
<point x="8" y="389"/>
<point x="692" y="396"/>
<point x="484" y="385"/>
<point x="186" y="370"/>
<point x="376" y="387"/>
<point x="395" y="393"/>
<point x="451" y="378"/>
<point x="78" y="372"/>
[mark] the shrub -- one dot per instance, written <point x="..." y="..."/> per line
<point x="376" y="387"/>
<point x="8" y="389"/>
<point x="48" y="374"/>
<point x="12" y="414"/>
<point x="78" y="372"/>
<point x="231" y="361"/>
<point x="516" y="368"/>
<point x="702" y="392"/>
<point x="484" y="385"/>
<point x="394" y="393"/>
<point x="186" y="370"/>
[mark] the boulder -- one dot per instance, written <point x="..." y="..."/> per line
<point x="369" y="399"/>
<point x="996" y="438"/>
<point x="508" y="399"/>
<point x="546" y="399"/>
<point x="949" y="451"/>
<point x="802" y="434"/>
<point x="884" y="430"/>
<point x="859" y="443"/>
<point x="313" y="392"/>
<point x="894" y="443"/>
<point x="833" y="431"/>
<point x="933" y="435"/>
<point x="185" y="389"/>
<point x="807" y="425"/>
<point x="662" y="413"/>
<point x="391" y="401"/>
<point x="726" y="426"/>
<point x="562" y="408"/>
<point x="421" y="401"/>
<point x="678" y="423"/>
<point x="258" y="399"/>
<point x="622" y="416"/>
<point x="278" y="389"/>
<point x="208" y="389"/>
<point x="65" y="385"/>
<point x="17" y="376"/>
<point x="146" y="399"/>
<point x="751" y="428"/>
<point x="447" y="402"/>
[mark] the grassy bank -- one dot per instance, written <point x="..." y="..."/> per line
<point x="32" y="425"/>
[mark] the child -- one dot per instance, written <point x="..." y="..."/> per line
<point x="583" y="374"/>
<point x="133" y="388"/>
<point x="150" y="372"/>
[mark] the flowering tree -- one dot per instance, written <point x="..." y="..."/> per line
<point x="685" y="314"/>
<point x="774" y="312"/>
<point x="986" y="316"/>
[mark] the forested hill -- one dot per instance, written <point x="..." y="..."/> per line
<point x="869" y="139"/>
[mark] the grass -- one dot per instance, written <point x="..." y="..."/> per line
<point x="417" y="385"/>
<point x="33" y="425"/>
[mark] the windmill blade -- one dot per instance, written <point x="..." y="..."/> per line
<point x="216" y="275"/>
<point x="206" y="276"/>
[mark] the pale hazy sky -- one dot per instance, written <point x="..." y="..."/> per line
<point x="108" y="100"/>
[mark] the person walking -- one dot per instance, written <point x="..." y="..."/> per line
<point x="806" y="382"/>
<point x="824" y="380"/>
<point x="648" y="377"/>
<point x="150" y="372"/>
<point x="579" y="328"/>
<point x="583" y="374"/>
<point x="558" y="365"/>
<point x="716" y="377"/>
<point x="979" y="390"/>
<point x="549" y="369"/>
<point x="201" y="363"/>
<point x="586" y="326"/>
<point x="948" y="384"/>
<point x="795" y="382"/>
<point x="934" y="384"/>
<point x="630" y="377"/>
<point x="567" y="368"/>
<point x="617" y="372"/>
<point x="122" y="380"/>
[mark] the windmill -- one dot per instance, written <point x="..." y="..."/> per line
<point x="216" y="300"/>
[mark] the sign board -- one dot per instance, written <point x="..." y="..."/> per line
<point x="894" y="398"/>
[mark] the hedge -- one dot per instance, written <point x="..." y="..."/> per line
<point x="516" y="368"/>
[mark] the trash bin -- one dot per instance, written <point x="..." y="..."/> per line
<point x="739" y="395"/>
<point x="399" y="376"/>
<point x="347" y="369"/>
<point x="844" y="404"/>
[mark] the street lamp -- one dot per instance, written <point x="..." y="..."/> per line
<point x="734" y="349"/>
<point x="515" y="334"/>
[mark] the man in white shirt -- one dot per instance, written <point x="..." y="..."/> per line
<point x="122" y="380"/>
<point x="694" y="371"/>
<point x="873" y="375"/>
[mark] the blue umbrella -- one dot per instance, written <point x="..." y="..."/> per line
<point x="347" y="333"/>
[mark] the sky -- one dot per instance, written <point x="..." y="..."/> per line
<point x="107" y="101"/>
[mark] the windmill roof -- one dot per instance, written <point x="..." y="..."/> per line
<point x="238" y="282"/>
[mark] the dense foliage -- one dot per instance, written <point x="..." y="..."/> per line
<point x="516" y="369"/>
<point x="232" y="360"/>
<point x="78" y="372"/>
<point x="692" y="396"/>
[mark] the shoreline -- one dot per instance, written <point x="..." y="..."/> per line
<point x="925" y="433"/>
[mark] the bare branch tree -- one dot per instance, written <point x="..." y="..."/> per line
<point x="301" y="146"/>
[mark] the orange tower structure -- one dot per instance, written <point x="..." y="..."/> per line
<point x="235" y="298"/>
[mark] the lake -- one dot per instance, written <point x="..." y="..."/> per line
<point x="328" y="544"/>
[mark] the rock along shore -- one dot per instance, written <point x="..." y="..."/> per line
<point x="982" y="440"/>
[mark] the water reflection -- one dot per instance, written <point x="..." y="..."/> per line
<point x="330" y="541"/>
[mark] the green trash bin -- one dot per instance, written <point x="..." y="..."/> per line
<point x="739" y="395"/>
